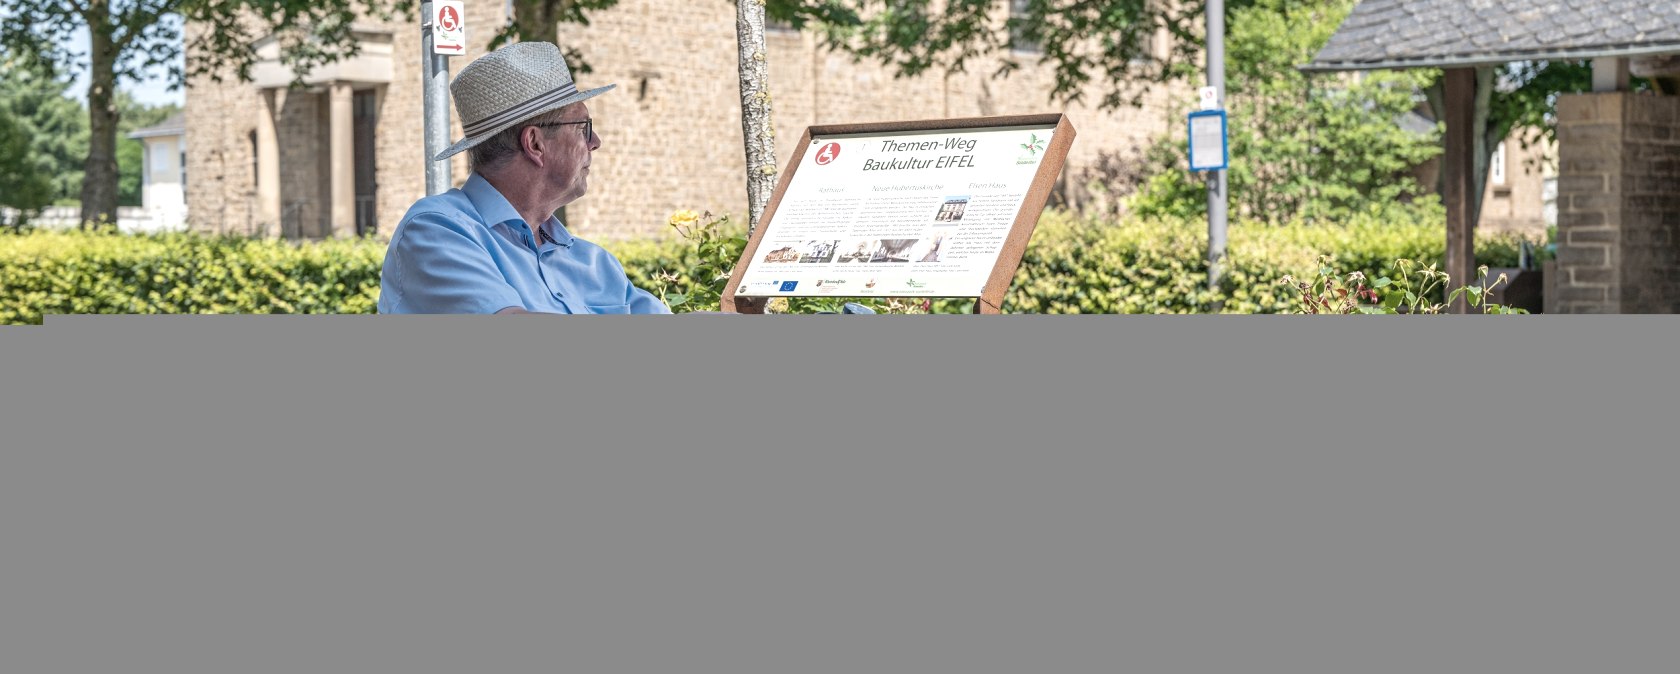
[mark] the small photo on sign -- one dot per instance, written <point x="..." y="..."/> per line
<point x="893" y="250"/>
<point x="782" y="254"/>
<point x="819" y="251"/>
<point x="856" y="250"/>
<point x="929" y="251"/>
<point x="952" y="210"/>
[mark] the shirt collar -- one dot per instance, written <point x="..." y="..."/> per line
<point x="489" y="202"/>
<point x="554" y="232"/>
<point x="496" y="209"/>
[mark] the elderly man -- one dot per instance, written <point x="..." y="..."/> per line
<point x="494" y="246"/>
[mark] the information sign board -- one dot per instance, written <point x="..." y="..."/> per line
<point x="936" y="208"/>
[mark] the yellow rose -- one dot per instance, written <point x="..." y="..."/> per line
<point x="684" y="218"/>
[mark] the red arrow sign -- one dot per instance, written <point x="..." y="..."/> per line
<point x="455" y="47"/>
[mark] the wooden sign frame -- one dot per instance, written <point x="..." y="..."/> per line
<point x="991" y="297"/>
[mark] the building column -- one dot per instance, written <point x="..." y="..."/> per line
<point x="268" y="164"/>
<point x="1609" y="74"/>
<point x="1458" y="166"/>
<point x="343" y="162"/>
<point x="1618" y="209"/>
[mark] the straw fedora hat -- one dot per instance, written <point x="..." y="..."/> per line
<point x="508" y="86"/>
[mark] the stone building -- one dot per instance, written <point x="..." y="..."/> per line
<point x="1521" y="190"/>
<point x="343" y="155"/>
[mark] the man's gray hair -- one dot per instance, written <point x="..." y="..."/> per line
<point x="498" y="149"/>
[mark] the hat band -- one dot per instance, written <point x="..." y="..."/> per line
<point x="520" y="111"/>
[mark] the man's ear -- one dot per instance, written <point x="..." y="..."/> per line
<point x="531" y="144"/>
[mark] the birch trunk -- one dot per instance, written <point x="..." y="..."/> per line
<point x="756" y="129"/>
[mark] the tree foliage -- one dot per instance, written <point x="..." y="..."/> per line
<point x="47" y="134"/>
<point x="126" y="37"/>
<point x="1314" y="147"/>
<point x="1112" y="43"/>
<point x="22" y="185"/>
<point x="313" y="33"/>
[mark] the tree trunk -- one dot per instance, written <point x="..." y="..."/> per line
<point x="758" y="134"/>
<point x="538" y="20"/>
<point x="99" y="186"/>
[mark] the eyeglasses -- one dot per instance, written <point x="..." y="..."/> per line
<point x="588" y="125"/>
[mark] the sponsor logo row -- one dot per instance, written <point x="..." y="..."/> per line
<point x="871" y="285"/>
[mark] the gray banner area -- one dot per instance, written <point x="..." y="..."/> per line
<point x="779" y="494"/>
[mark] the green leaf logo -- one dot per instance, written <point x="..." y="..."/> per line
<point x="1032" y="147"/>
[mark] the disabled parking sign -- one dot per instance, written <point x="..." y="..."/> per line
<point x="449" y="30"/>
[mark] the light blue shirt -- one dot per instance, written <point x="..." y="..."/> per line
<point x="467" y="251"/>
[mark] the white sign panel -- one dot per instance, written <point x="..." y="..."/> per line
<point x="449" y="30"/>
<point x="1210" y="98"/>
<point x="1207" y="141"/>
<point x="909" y="213"/>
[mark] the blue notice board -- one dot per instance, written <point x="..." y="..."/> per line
<point x="1209" y="148"/>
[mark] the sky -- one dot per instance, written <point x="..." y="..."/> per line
<point x="152" y="91"/>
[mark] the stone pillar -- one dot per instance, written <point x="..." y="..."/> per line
<point x="268" y="164"/>
<point x="1618" y="203"/>
<point x="1609" y="74"/>
<point x="343" y="162"/>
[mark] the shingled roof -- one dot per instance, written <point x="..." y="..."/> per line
<point x="1463" y="33"/>
<point x="174" y="125"/>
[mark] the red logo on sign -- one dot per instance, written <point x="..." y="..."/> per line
<point x="828" y="153"/>
<point x="448" y="19"/>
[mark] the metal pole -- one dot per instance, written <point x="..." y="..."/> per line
<point x="1216" y="179"/>
<point x="434" y="69"/>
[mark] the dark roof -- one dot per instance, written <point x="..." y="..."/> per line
<point x="174" y="125"/>
<point x="1459" y="33"/>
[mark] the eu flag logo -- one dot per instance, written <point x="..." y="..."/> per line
<point x="788" y="286"/>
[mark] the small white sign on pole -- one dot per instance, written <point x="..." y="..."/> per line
<point x="1210" y="98"/>
<point x="449" y="30"/>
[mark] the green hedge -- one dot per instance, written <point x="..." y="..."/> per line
<point x="51" y="272"/>
<point x="1159" y="266"/>
<point x="1072" y="266"/>
<point x="1076" y="265"/>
